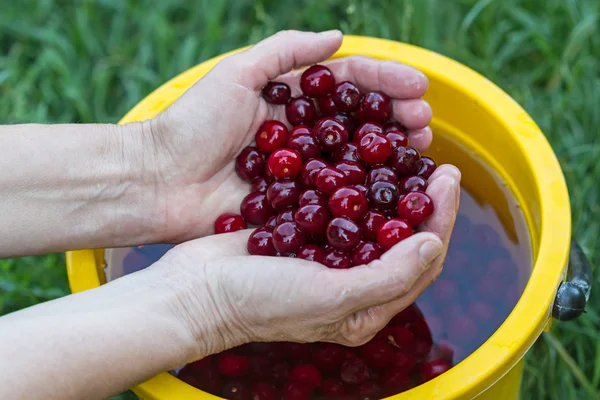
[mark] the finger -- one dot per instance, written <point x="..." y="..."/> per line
<point x="395" y="273"/>
<point x="279" y="54"/>
<point x="420" y="139"/>
<point x="218" y="246"/>
<point x="397" y="80"/>
<point x="413" y="114"/>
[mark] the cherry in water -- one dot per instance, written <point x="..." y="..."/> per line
<point x="307" y="374"/>
<point x="233" y="365"/>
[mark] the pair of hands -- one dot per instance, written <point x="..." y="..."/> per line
<point x="190" y="157"/>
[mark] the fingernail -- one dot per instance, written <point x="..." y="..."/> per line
<point x="331" y="33"/>
<point x="429" y="251"/>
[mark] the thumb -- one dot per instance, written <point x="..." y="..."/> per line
<point x="393" y="275"/>
<point x="279" y="54"/>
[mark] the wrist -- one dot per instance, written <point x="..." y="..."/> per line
<point x="198" y="305"/>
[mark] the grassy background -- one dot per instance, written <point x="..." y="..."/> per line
<point x="94" y="61"/>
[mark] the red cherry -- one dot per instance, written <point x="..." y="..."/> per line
<point x="280" y="371"/>
<point x="229" y="223"/>
<point x="415" y="207"/>
<point x="327" y="106"/>
<point x="299" y="130"/>
<point x="332" y="388"/>
<point x="481" y="311"/>
<point x="286" y="215"/>
<point x="312" y="196"/>
<point x="408" y="315"/>
<point x="249" y="164"/>
<point x="329" y="179"/>
<point x="316" y="81"/>
<point x="271" y="135"/>
<point x="233" y="365"/>
<point x="288" y="238"/>
<point x="405" y="161"/>
<point x="235" y="390"/>
<point x="403" y="361"/>
<point x="348" y="202"/>
<point x="426" y="167"/>
<point x="336" y="259"/>
<point x="462" y="330"/>
<point x="285" y="163"/>
<point x="383" y="195"/>
<point x="397" y="139"/>
<point x="369" y="390"/>
<point x="276" y="93"/>
<point x="311" y="252"/>
<point x="422" y="347"/>
<point x="260" y="367"/>
<point x="354" y="371"/>
<point x="271" y="223"/>
<point x="374" y="149"/>
<point x="330" y="133"/>
<point x="343" y="234"/>
<point x="376" y="106"/>
<point x="378" y="354"/>
<point x="260" y="243"/>
<point x="312" y="219"/>
<point x="412" y="184"/>
<point x="296" y="391"/>
<point x="366" y="252"/>
<point x="396" y="381"/>
<point x="346" y="96"/>
<point x="371" y="223"/>
<point x="403" y="337"/>
<point x="347" y="121"/>
<point x="264" y="391"/>
<point x="367" y="127"/>
<point x="301" y="111"/>
<point x="256" y="209"/>
<point x="283" y="194"/>
<point x="381" y="173"/>
<point x="362" y="189"/>
<point x="307" y="374"/>
<point x="392" y="232"/>
<point x="306" y="145"/>
<point x="394" y="126"/>
<point x="433" y="368"/>
<point x="310" y="171"/>
<point x="328" y="358"/>
<point x="445" y="290"/>
<point x="445" y="349"/>
<point x="348" y="152"/>
<point x="355" y="173"/>
<point x="259" y="184"/>
<point x="206" y="379"/>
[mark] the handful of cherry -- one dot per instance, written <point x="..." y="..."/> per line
<point x="341" y="186"/>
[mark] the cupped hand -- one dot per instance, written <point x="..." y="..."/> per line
<point x="196" y="139"/>
<point x="231" y="298"/>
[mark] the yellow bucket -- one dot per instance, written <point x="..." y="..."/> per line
<point x="470" y="110"/>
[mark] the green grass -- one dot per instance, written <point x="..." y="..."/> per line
<point x="93" y="62"/>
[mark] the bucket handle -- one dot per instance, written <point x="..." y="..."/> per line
<point x="573" y="295"/>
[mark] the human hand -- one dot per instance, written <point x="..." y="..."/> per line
<point x="194" y="142"/>
<point x="230" y="298"/>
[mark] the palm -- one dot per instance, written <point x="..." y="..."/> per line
<point x="213" y="121"/>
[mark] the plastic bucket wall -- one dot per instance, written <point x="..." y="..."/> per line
<point x="470" y="110"/>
